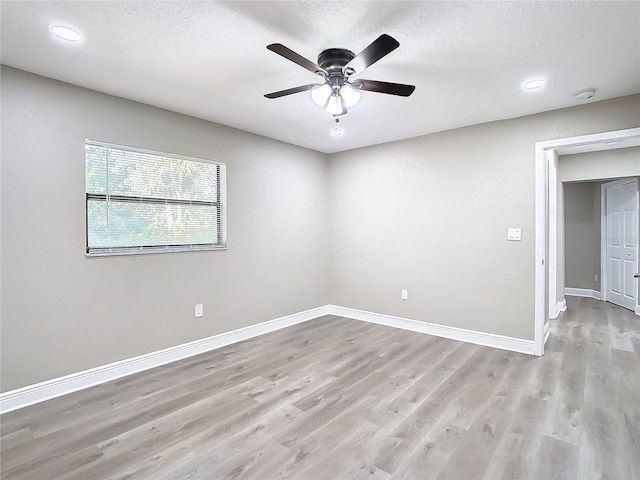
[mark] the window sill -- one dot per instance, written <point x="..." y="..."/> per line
<point x="112" y="252"/>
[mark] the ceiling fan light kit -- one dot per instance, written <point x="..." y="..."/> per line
<point x="335" y="105"/>
<point x="336" y="66"/>
<point x="320" y="95"/>
<point x="350" y="95"/>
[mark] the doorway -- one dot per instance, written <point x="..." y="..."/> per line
<point x="546" y="241"/>
<point x="598" y="238"/>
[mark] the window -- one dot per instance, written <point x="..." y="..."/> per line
<point x="139" y="201"/>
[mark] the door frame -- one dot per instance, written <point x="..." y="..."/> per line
<point x="604" y="277"/>
<point x="552" y="261"/>
<point x="543" y="298"/>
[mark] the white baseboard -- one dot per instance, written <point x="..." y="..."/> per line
<point x="454" y="333"/>
<point x="560" y="307"/>
<point x="557" y="310"/>
<point x="31" y="394"/>
<point x="583" y="292"/>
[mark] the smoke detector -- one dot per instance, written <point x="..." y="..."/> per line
<point x="586" y="94"/>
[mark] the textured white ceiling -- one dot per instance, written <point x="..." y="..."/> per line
<point x="208" y="59"/>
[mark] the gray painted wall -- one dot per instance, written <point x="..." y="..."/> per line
<point x="582" y="235"/>
<point x="608" y="164"/>
<point x="429" y="214"/>
<point x="63" y="313"/>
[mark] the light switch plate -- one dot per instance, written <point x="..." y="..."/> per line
<point x="514" y="234"/>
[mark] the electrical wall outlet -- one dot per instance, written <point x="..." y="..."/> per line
<point x="404" y="294"/>
<point x="198" y="310"/>
<point x="595" y="277"/>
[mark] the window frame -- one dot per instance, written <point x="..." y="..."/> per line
<point x="219" y="204"/>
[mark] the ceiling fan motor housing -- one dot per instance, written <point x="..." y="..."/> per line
<point x="334" y="59"/>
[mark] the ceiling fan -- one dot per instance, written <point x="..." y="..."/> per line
<point x="337" y="66"/>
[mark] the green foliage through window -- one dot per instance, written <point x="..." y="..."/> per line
<point x="139" y="201"/>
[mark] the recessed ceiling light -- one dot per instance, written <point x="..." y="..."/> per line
<point x="65" y="33"/>
<point x="534" y="84"/>
<point x="337" y="131"/>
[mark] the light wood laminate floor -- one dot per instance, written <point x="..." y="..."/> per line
<point x="336" y="398"/>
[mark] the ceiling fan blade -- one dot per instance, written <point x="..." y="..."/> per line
<point x="381" y="46"/>
<point x="295" y="58"/>
<point x="399" y="89"/>
<point x="290" y="91"/>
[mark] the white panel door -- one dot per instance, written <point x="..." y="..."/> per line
<point x="621" y="243"/>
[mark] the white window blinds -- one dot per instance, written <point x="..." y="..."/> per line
<point x="142" y="201"/>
